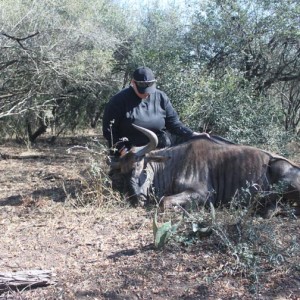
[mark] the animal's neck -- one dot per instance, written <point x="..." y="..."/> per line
<point x="160" y="178"/>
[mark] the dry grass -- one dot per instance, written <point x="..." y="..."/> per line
<point x="55" y="215"/>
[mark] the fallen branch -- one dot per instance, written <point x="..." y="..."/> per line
<point x="29" y="279"/>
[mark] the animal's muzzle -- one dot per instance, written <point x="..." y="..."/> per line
<point x="133" y="189"/>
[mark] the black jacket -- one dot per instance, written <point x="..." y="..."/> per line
<point x="155" y="113"/>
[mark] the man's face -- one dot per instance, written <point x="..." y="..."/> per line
<point x="141" y="95"/>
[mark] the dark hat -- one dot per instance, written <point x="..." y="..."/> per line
<point x="145" y="80"/>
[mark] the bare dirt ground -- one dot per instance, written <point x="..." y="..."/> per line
<point x="106" y="251"/>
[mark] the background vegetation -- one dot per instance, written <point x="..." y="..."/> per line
<point x="230" y="67"/>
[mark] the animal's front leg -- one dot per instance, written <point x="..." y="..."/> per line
<point x="186" y="199"/>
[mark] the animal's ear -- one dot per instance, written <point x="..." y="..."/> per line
<point x="157" y="158"/>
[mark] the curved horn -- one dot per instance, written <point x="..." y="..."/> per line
<point x="140" y="151"/>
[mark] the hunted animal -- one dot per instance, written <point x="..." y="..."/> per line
<point x="205" y="170"/>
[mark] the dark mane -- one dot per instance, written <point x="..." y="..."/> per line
<point x="214" y="138"/>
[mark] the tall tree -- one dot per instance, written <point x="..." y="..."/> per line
<point x="258" y="38"/>
<point x="56" y="61"/>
